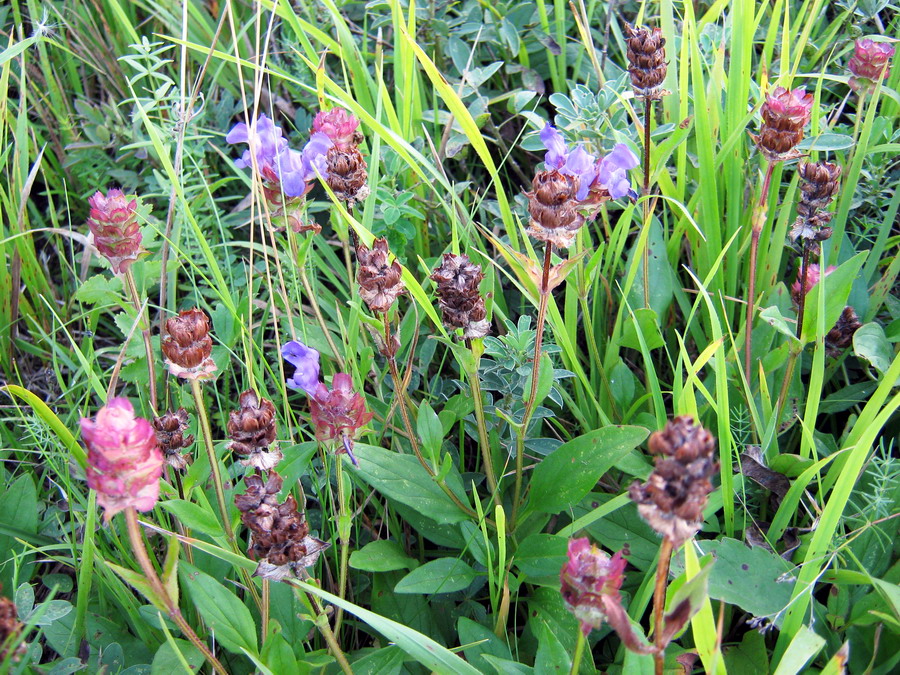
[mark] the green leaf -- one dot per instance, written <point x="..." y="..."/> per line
<point x="43" y="411"/>
<point x="139" y="582"/>
<point x="402" y="478"/>
<point x="444" y="575"/>
<point x="194" y="516"/>
<point x="772" y="316"/>
<point x="836" y="287"/>
<point x="171" y="659"/>
<point x="644" y="320"/>
<point x="278" y="655"/>
<point x="220" y="609"/>
<point x="545" y="381"/>
<point x="100" y="290"/>
<point x="540" y="557"/>
<point x="686" y="601"/>
<point x="805" y="645"/>
<point x="430" y="429"/>
<point x="478" y="640"/>
<point x="383" y="555"/>
<point x="551" y="657"/>
<point x="870" y="343"/>
<point x="170" y="569"/>
<point x="823" y="142"/>
<point x="568" y="473"/>
<point x="19" y="505"/>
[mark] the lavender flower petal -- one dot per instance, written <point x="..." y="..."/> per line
<point x="556" y="147"/>
<point x="306" y="366"/>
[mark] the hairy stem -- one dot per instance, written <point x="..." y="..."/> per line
<point x="144" y="318"/>
<point x="140" y="552"/>
<point x="535" y="375"/>
<point x="646" y="190"/>
<point x="327" y="633"/>
<point x="659" y="603"/>
<point x="804" y="269"/>
<point x="757" y="224"/>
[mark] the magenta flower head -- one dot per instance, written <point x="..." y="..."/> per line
<point x="339" y="125"/>
<point x="124" y="460"/>
<point x="113" y="222"/>
<point x="338" y="414"/>
<point x="590" y="583"/>
<point x="784" y="113"/>
<point x="813" y="276"/>
<point x="577" y="163"/>
<point x="306" y="366"/>
<point x="871" y="62"/>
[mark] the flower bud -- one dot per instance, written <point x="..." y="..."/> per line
<point x="170" y="434"/>
<point x="674" y="496"/>
<point x="871" y="62"/>
<point x="784" y="114"/>
<point x="590" y="582"/>
<point x="457" y="281"/>
<point x="117" y="235"/>
<point x="187" y="345"/>
<point x="646" y="60"/>
<point x="379" y="281"/>
<point x="339" y="125"/>
<point x="554" y="208"/>
<point x="252" y="430"/>
<point x="338" y="414"/>
<point x="347" y="174"/>
<point x="280" y="537"/>
<point x="124" y="461"/>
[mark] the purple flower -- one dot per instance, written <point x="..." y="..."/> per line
<point x="576" y="162"/>
<point x="263" y="136"/>
<point x="306" y="366"/>
<point x="313" y="155"/>
<point x="612" y="171"/>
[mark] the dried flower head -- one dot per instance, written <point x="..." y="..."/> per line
<point x="170" y="434"/>
<point x="673" y="498"/>
<point x="338" y="414"/>
<point x="10" y="629"/>
<point x="870" y="63"/>
<point x="820" y="183"/>
<point x="379" y="281"/>
<point x="554" y="208"/>
<point x="187" y="345"/>
<point x="840" y="337"/>
<point x="346" y="174"/>
<point x="280" y="537"/>
<point x="124" y="461"/>
<point x="813" y="276"/>
<point x="784" y="114"/>
<point x="117" y="235"/>
<point x="251" y="429"/>
<point x="339" y="125"/>
<point x="305" y="361"/>
<point x="457" y="281"/>
<point x="646" y="60"/>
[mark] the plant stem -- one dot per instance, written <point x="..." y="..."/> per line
<point x="206" y="432"/>
<point x="757" y="223"/>
<point x="344" y="540"/>
<point x="140" y="552"/>
<point x="804" y="268"/>
<point x="535" y="375"/>
<point x="475" y="385"/>
<point x="144" y="318"/>
<point x="646" y="191"/>
<point x="318" y="312"/>
<point x="659" y="602"/>
<point x="579" y="651"/>
<point x="325" y="629"/>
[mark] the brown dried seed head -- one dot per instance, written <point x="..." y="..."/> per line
<point x="347" y="174"/>
<point x="187" y="345"/>
<point x="821" y="182"/>
<point x="379" y="281"/>
<point x="252" y="429"/>
<point x="170" y="431"/>
<point x="458" y="295"/>
<point x="646" y="60"/>
<point x="674" y="496"/>
<point x="840" y="337"/>
<point x="784" y="114"/>
<point x="554" y="209"/>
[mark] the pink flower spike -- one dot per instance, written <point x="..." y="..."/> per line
<point x="590" y="583"/>
<point x="871" y="62"/>
<point x="124" y="460"/>
<point x="337" y="415"/>
<point x="113" y="222"/>
<point x="339" y="125"/>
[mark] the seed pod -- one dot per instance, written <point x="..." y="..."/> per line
<point x="646" y="60"/>
<point x="554" y="208"/>
<point x="458" y="295"/>
<point x="280" y="537"/>
<point x="252" y="430"/>
<point x="379" y="281"/>
<point x="170" y="431"/>
<point x="784" y="115"/>
<point x="840" y="337"/>
<point x="673" y="498"/>
<point x="820" y="183"/>
<point x="187" y="345"/>
<point x="347" y="174"/>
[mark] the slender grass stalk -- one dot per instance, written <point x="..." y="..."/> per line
<point x="144" y="319"/>
<point x="648" y="103"/>
<point x="804" y="268"/>
<point x="535" y="373"/>
<point x="140" y="552"/>
<point x="659" y="603"/>
<point x="318" y="312"/>
<point x="579" y="651"/>
<point x="757" y="224"/>
<point x="475" y="385"/>
<point x="327" y="633"/>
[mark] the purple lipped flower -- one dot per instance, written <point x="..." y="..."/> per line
<point x="612" y="170"/>
<point x="306" y="366"/>
<point x="264" y="136"/>
<point x="576" y="162"/>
